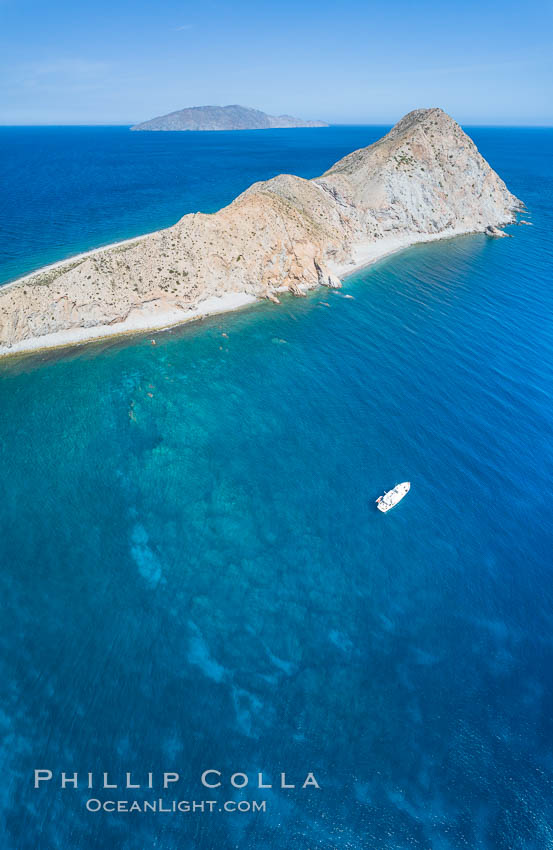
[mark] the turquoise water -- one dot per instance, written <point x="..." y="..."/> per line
<point x="194" y="575"/>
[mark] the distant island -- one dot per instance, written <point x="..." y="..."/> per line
<point x="223" y="118"/>
<point x="424" y="180"/>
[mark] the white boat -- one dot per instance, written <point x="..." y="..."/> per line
<point x="392" y="497"/>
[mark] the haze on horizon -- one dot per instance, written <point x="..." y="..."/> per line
<point x="105" y="63"/>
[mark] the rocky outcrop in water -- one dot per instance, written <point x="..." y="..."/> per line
<point x="424" y="180"/>
<point x="495" y="232"/>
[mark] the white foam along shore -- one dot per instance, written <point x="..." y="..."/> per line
<point x="146" y="319"/>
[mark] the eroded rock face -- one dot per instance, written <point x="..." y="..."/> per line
<point x="423" y="179"/>
<point x="424" y="176"/>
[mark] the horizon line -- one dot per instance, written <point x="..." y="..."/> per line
<point x="330" y="124"/>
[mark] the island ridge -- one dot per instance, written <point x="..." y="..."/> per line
<point x="223" y="118"/>
<point x="424" y="180"/>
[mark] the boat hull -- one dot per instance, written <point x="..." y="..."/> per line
<point x="390" y="499"/>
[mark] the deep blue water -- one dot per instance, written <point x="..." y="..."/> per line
<point x="194" y="575"/>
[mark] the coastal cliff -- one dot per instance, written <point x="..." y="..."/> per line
<point x="424" y="180"/>
<point x="224" y="118"/>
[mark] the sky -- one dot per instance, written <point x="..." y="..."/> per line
<point x="356" y="62"/>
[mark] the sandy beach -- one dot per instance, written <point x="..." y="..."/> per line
<point x="144" y="320"/>
<point x="365" y="254"/>
<point x="138" y="321"/>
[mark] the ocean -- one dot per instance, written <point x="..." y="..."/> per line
<point x="193" y="572"/>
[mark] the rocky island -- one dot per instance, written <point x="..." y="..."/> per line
<point x="224" y="118"/>
<point x="424" y="180"/>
